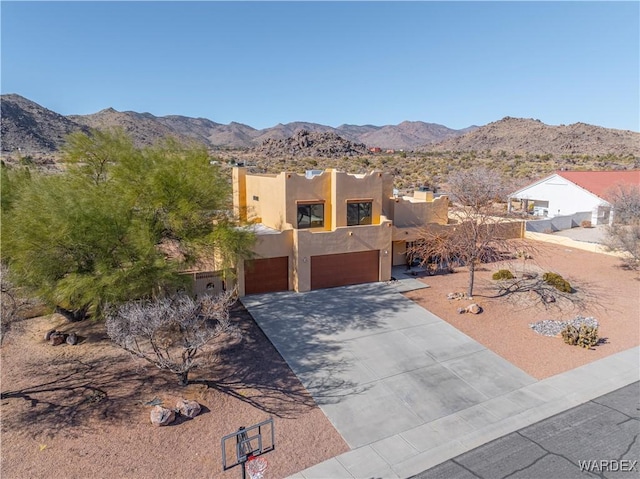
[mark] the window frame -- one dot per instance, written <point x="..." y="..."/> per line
<point x="360" y="210"/>
<point x="309" y="205"/>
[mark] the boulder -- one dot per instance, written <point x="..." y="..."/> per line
<point x="161" y="416"/>
<point x="474" y="308"/>
<point x="188" y="408"/>
<point x="48" y="334"/>
<point x="57" y="338"/>
<point x="72" y="339"/>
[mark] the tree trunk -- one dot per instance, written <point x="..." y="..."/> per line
<point x="472" y="272"/>
<point x="183" y="378"/>
<point x="73" y="316"/>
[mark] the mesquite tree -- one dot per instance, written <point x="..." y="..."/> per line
<point x="94" y="233"/>
<point x="177" y="334"/>
<point x="478" y="233"/>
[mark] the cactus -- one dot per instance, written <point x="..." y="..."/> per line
<point x="585" y="336"/>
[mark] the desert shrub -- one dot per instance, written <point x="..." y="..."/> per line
<point x="557" y="282"/>
<point x="586" y="223"/>
<point x="585" y="336"/>
<point x="502" y="274"/>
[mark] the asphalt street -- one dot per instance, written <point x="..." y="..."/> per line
<point x="596" y="439"/>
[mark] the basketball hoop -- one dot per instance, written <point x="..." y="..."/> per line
<point x="255" y="467"/>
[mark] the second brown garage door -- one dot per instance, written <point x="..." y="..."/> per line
<point x="266" y="275"/>
<point x="332" y="270"/>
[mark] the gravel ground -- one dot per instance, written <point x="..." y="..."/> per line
<point x="604" y="290"/>
<point x="548" y="327"/>
<point x="81" y="411"/>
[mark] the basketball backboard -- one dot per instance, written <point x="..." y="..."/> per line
<point x="254" y="440"/>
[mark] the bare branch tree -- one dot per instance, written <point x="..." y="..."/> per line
<point x="480" y="232"/>
<point x="623" y="234"/>
<point x="176" y="334"/>
<point x="12" y="303"/>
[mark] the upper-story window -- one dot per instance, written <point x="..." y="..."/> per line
<point x="310" y="215"/>
<point x="359" y="213"/>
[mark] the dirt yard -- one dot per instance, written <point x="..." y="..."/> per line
<point x="79" y="411"/>
<point x="604" y="290"/>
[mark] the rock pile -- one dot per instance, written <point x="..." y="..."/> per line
<point x="311" y="144"/>
<point x="56" y="338"/>
<point x="549" y="327"/>
<point x="162" y="416"/>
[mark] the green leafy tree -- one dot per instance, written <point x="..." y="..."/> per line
<point x="121" y="223"/>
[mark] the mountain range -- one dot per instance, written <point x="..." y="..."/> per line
<point x="29" y="127"/>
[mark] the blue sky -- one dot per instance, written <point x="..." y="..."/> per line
<point x="263" y="63"/>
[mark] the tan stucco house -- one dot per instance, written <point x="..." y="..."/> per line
<point x="324" y="229"/>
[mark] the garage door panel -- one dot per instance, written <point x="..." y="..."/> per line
<point x="332" y="270"/>
<point x="266" y="275"/>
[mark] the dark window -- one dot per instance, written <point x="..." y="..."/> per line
<point x="359" y="213"/>
<point x="255" y="198"/>
<point x="311" y="215"/>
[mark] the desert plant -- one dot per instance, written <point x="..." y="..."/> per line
<point x="557" y="282"/>
<point x="586" y="224"/>
<point x="176" y="334"/>
<point x="623" y="234"/>
<point x="502" y="274"/>
<point x="585" y="336"/>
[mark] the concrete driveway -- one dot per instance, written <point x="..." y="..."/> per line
<point x="377" y="363"/>
<point x="405" y="389"/>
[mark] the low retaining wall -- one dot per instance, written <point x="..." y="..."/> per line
<point x="558" y="223"/>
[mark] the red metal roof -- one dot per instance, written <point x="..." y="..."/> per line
<point x="600" y="183"/>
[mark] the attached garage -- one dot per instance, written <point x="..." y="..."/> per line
<point x="328" y="271"/>
<point x="266" y="275"/>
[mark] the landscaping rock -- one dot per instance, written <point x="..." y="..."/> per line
<point x="474" y="308"/>
<point x="57" y="338"/>
<point x="188" y="408"/>
<point x="161" y="416"/>
<point x="72" y="339"/>
<point x="456" y="296"/>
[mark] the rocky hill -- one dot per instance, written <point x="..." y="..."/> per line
<point x="44" y="130"/>
<point x="35" y="129"/>
<point x="518" y="136"/>
<point x="28" y="128"/>
<point x="304" y="143"/>
<point x="144" y="128"/>
<point x="408" y="135"/>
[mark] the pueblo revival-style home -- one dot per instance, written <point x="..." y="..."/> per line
<point x="324" y="229"/>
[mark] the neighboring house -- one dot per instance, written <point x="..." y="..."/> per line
<point x="327" y="228"/>
<point x="567" y="193"/>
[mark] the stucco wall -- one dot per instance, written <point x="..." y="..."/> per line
<point x="417" y="213"/>
<point x="269" y="206"/>
<point x="564" y="197"/>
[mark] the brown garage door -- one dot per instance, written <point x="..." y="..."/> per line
<point x="266" y="275"/>
<point x="342" y="269"/>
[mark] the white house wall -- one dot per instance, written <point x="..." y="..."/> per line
<point x="563" y="196"/>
